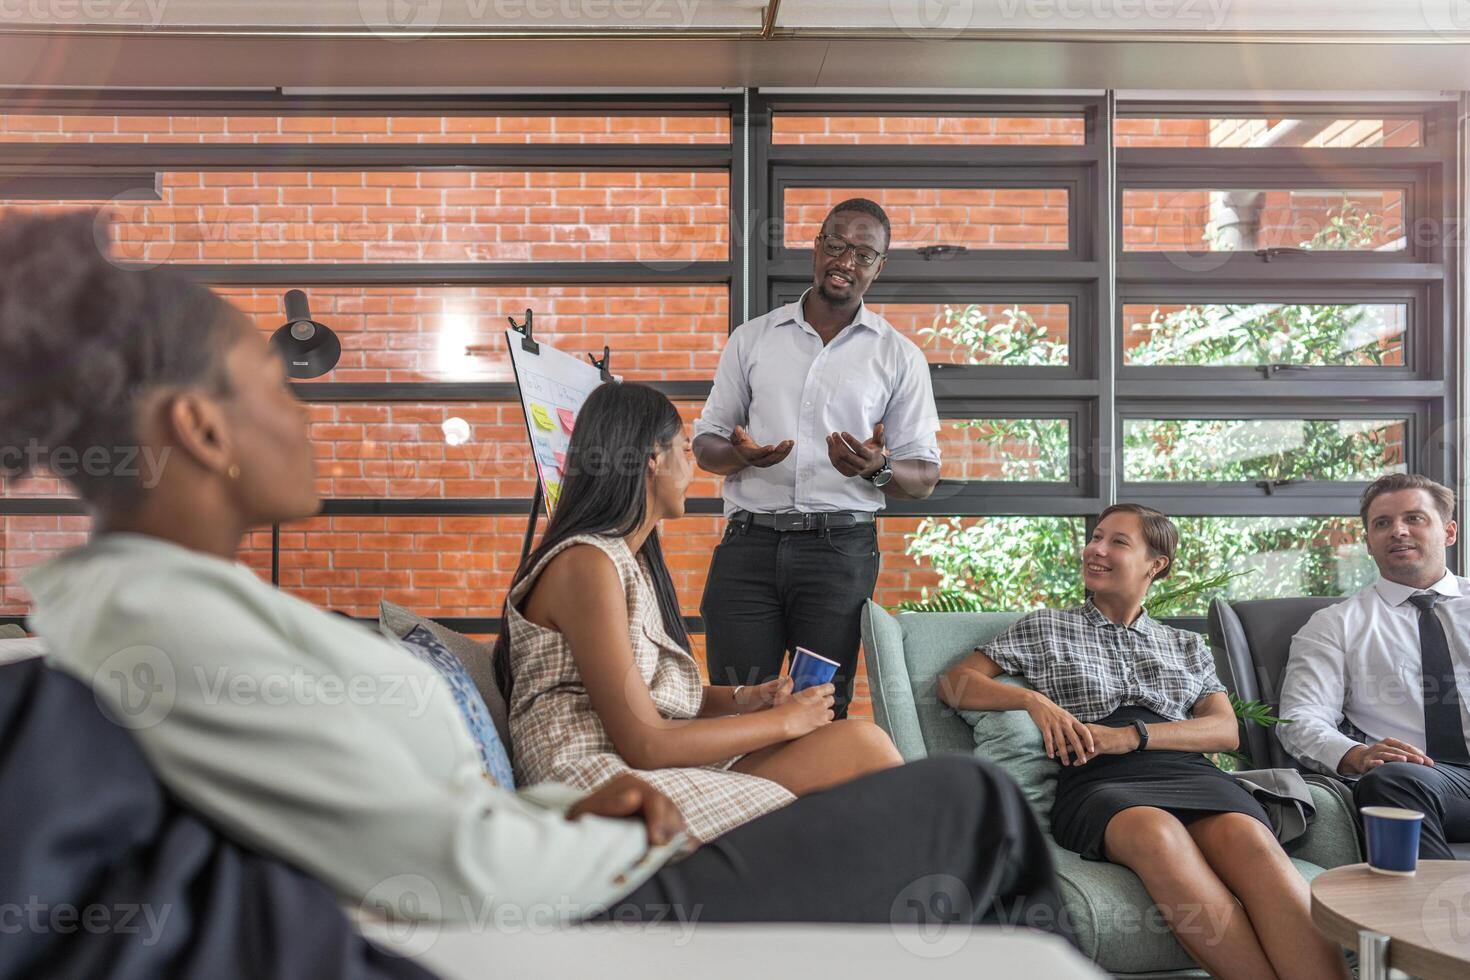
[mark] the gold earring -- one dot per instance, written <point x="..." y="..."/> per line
<point x="234" y="471"/>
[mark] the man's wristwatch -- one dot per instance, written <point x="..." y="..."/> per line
<point x="1142" y="734"/>
<point x="880" y="479"/>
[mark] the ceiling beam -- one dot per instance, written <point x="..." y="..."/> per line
<point x="216" y="62"/>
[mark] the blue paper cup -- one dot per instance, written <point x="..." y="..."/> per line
<point x="810" y="669"/>
<point x="1393" y="839"/>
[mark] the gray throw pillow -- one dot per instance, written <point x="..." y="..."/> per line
<point x="1012" y="741"/>
<point x="396" y="622"/>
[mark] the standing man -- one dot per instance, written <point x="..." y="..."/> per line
<point x="1376" y="685"/>
<point x="820" y="411"/>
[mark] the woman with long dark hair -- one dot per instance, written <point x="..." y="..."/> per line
<point x="596" y="662"/>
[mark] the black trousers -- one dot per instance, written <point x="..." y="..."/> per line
<point x="104" y="874"/>
<point x="769" y="592"/>
<point x="1441" y="792"/>
<point x="946" y="840"/>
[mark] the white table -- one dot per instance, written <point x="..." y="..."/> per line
<point x="613" y="951"/>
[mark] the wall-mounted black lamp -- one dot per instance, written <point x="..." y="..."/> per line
<point x="310" y="349"/>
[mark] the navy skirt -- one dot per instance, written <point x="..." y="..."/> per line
<point x="1186" y="784"/>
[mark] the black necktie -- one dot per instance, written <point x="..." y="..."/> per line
<point x="1444" y="736"/>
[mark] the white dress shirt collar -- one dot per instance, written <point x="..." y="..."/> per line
<point x="1396" y="594"/>
<point x="796" y="313"/>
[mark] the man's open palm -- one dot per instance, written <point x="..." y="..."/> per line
<point x="757" y="455"/>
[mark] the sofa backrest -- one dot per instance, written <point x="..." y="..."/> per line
<point x="906" y="654"/>
<point x="1255" y="636"/>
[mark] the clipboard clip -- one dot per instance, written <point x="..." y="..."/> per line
<point x="524" y="329"/>
<point x="601" y="365"/>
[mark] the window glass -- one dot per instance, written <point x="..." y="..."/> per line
<point x="1006" y="449"/>
<point x="1266" y="558"/>
<point x="1230" y="450"/>
<point x="995" y="564"/>
<point x="1240" y="132"/>
<point x="1251" y="334"/>
<point x="1316" y="219"/>
<point x="993" y="334"/>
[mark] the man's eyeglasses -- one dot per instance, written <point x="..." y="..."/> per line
<point x="836" y="245"/>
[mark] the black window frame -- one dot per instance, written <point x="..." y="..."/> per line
<point x="133" y="164"/>
<point x="1096" y="388"/>
<point x="1101" y="386"/>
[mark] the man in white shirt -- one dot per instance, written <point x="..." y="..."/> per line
<point x="819" y="413"/>
<point x="1373" y="684"/>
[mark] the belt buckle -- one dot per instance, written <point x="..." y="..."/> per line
<point x="808" y="521"/>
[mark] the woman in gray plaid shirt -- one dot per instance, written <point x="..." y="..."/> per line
<point x="1109" y="682"/>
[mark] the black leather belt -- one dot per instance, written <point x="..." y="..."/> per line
<point x="804" y="522"/>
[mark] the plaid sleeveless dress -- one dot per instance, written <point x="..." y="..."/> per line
<point x="556" y="736"/>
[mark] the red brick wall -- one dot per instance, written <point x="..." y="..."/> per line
<point x="787" y="128"/>
<point x="974" y="217"/>
<point x="485" y="216"/>
<point x="420" y="333"/>
<point x="25" y="541"/>
<point x="400" y="450"/>
<point x="365" y="129"/>
<point x="1161" y="132"/>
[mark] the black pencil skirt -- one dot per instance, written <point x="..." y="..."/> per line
<point x="1186" y="784"/>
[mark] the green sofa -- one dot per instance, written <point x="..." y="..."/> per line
<point x="1117" y="925"/>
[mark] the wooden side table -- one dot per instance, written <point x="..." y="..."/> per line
<point x="1418" y="924"/>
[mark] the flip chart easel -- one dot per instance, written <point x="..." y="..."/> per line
<point x="552" y="386"/>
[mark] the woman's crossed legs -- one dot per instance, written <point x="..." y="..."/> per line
<point x="1230" y="894"/>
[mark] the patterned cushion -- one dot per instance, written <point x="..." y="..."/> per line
<point x="396" y="622"/>
<point x="427" y="647"/>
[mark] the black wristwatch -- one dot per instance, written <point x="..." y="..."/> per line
<point x="881" y="477"/>
<point x="1142" y="734"/>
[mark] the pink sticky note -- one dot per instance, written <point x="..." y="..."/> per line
<point x="567" y="418"/>
<point x="561" y="460"/>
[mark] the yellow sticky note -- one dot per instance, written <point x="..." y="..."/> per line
<point x="553" y="492"/>
<point x="542" y="417"/>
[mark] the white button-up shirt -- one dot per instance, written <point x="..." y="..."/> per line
<point x="778" y="380"/>
<point x="1360" y="660"/>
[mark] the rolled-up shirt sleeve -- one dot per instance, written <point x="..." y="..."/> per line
<point x="911" y="422"/>
<point x="1312" y="692"/>
<point x="1019" y="649"/>
<point x="728" y="404"/>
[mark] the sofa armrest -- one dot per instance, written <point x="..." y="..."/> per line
<point x="894" y="708"/>
<point x="1331" y="839"/>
